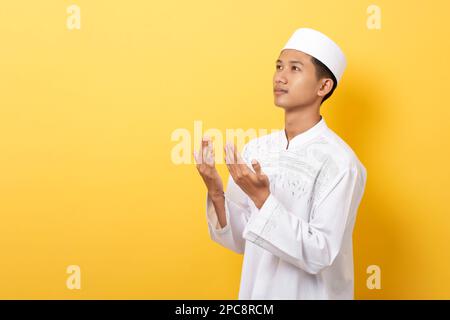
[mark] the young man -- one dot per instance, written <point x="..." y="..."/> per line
<point x="292" y="216"/>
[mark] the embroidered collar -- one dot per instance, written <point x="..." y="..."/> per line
<point x="304" y="136"/>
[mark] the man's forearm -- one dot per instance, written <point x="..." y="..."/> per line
<point x="218" y="201"/>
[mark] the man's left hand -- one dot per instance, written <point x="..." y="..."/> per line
<point x="255" y="184"/>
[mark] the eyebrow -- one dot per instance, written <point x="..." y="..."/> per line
<point x="292" y="61"/>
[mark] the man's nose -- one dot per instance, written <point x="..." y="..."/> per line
<point x="280" y="77"/>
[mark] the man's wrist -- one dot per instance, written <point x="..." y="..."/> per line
<point x="259" y="201"/>
<point x="216" y="195"/>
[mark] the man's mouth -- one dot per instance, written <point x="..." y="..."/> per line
<point x="279" y="91"/>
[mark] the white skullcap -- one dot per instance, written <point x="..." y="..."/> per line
<point x="319" y="46"/>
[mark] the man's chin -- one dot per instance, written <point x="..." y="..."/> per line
<point x="280" y="104"/>
<point x="287" y="106"/>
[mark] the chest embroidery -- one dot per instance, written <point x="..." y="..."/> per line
<point x="303" y="170"/>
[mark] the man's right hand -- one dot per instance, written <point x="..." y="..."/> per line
<point x="205" y="163"/>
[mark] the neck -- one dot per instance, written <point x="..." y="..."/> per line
<point x="300" y="120"/>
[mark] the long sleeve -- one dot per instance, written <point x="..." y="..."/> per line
<point x="237" y="213"/>
<point x="310" y="245"/>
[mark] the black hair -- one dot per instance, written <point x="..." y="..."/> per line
<point x="322" y="71"/>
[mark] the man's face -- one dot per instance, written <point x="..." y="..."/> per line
<point x="294" y="82"/>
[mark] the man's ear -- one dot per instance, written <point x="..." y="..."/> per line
<point x="326" y="84"/>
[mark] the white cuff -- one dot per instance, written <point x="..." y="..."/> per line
<point x="259" y="218"/>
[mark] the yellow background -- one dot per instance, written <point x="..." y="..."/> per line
<point x="86" y="118"/>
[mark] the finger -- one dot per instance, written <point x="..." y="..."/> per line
<point x="229" y="161"/>
<point x="208" y="142"/>
<point x="198" y="156"/>
<point x="257" y="167"/>
<point x="228" y="154"/>
<point x="204" y="154"/>
<point x="205" y="141"/>
<point x="209" y="154"/>
<point x="212" y="154"/>
<point x="240" y="165"/>
<point x="234" y="164"/>
<point x="224" y="154"/>
<point x="235" y="156"/>
<point x="239" y="160"/>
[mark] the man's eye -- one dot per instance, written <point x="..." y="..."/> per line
<point x="297" y="68"/>
<point x="277" y="67"/>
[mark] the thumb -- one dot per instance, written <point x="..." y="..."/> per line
<point x="256" y="166"/>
